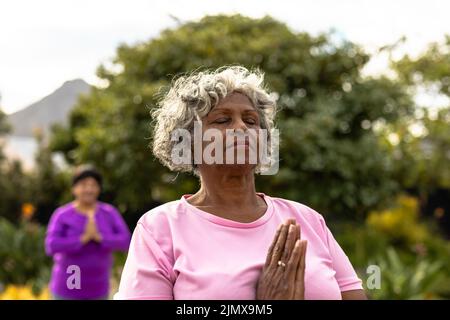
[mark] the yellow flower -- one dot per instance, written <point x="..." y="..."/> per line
<point x="21" y="292"/>
<point x="399" y="222"/>
<point x="44" y="295"/>
<point x="408" y="203"/>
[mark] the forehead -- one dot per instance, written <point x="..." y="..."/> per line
<point x="233" y="101"/>
<point x="87" y="180"/>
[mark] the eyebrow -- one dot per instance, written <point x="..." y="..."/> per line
<point x="227" y="110"/>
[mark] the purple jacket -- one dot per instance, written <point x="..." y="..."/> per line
<point x="91" y="261"/>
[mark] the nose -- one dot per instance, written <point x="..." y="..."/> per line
<point x="239" y="125"/>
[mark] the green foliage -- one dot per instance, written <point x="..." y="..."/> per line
<point x="422" y="160"/>
<point x="4" y="125"/>
<point x="432" y="67"/>
<point x="15" y="187"/>
<point x="407" y="272"/>
<point x="12" y="179"/>
<point x="400" y="223"/>
<point x="45" y="187"/>
<point x="412" y="256"/>
<point x="22" y="255"/>
<point x="401" y="279"/>
<point x="50" y="186"/>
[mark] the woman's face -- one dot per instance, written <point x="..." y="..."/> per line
<point x="86" y="190"/>
<point x="234" y="113"/>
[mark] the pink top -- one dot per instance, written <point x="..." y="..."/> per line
<point x="181" y="252"/>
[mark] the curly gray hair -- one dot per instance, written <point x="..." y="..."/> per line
<point x="192" y="97"/>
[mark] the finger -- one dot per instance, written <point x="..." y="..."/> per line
<point x="290" y="242"/>
<point x="299" y="231"/>
<point x="272" y="245"/>
<point x="300" y="276"/>
<point x="290" y="221"/>
<point x="279" y="245"/>
<point x="292" y="265"/>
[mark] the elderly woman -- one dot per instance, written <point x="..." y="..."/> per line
<point x="228" y="241"/>
<point x="81" y="237"/>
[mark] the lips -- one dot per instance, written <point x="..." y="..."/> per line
<point x="242" y="143"/>
<point x="245" y="141"/>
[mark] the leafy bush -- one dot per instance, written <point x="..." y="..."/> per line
<point x="22" y="256"/>
<point x="401" y="222"/>
<point x="412" y="257"/>
<point x="402" y="280"/>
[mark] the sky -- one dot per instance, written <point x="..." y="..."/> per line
<point x="47" y="42"/>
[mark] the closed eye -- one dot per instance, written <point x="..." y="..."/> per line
<point x="221" y="120"/>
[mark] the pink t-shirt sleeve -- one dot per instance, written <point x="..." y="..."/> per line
<point x="345" y="274"/>
<point x="147" y="271"/>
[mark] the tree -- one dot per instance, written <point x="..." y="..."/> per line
<point x="423" y="151"/>
<point x="49" y="185"/>
<point x="431" y="68"/>
<point x="12" y="179"/>
<point x="425" y="154"/>
<point x="35" y="192"/>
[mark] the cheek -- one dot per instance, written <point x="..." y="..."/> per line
<point x="92" y="190"/>
<point x="76" y="192"/>
<point x="86" y="191"/>
<point x="213" y="138"/>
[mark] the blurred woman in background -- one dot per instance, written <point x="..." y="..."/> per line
<point x="81" y="237"/>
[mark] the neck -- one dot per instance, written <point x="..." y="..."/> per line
<point x="84" y="205"/>
<point x="219" y="188"/>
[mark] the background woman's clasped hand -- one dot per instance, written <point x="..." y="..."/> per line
<point x="283" y="275"/>
<point x="91" y="232"/>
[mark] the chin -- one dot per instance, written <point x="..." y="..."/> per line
<point x="89" y="199"/>
<point x="238" y="168"/>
